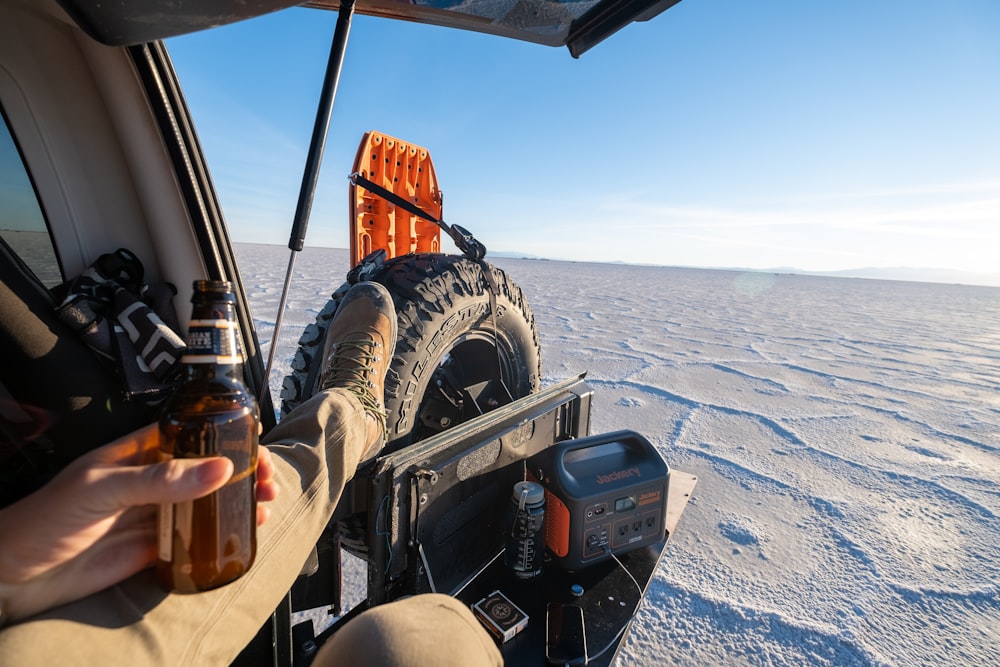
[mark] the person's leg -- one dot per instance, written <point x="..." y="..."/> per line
<point x="419" y="631"/>
<point x="316" y="450"/>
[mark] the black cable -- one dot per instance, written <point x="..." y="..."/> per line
<point x="614" y="640"/>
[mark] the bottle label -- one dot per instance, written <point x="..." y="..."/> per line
<point x="166" y="530"/>
<point x="213" y="342"/>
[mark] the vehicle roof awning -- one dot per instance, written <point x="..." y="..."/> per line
<point x="576" y="24"/>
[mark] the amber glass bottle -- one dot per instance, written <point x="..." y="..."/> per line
<point x="210" y="541"/>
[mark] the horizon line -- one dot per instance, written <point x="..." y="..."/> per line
<point x="944" y="276"/>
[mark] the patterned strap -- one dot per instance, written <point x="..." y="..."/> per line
<point x="130" y="324"/>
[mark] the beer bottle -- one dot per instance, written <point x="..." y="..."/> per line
<point x="211" y="541"/>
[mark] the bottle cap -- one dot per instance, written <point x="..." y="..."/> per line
<point x="535" y="492"/>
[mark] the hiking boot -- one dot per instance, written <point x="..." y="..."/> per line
<point x="357" y="352"/>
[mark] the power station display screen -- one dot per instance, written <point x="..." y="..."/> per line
<point x="624" y="504"/>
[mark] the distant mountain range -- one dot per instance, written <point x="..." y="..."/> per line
<point x="923" y="275"/>
<point x="912" y="274"/>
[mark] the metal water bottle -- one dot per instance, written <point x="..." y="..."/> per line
<point x="210" y="541"/>
<point x="525" y="538"/>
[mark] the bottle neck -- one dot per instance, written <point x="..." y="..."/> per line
<point x="214" y="348"/>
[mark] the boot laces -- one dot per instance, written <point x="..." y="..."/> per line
<point x="350" y="364"/>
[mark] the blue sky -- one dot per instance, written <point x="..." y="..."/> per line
<point x="724" y="133"/>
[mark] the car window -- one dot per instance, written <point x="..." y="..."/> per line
<point x="22" y="223"/>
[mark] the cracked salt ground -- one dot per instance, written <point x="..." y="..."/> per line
<point x="844" y="433"/>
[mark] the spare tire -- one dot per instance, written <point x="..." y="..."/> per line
<point x="467" y="344"/>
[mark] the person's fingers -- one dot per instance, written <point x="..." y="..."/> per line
<point x="113" y="559"/>
<point x="265" y="466"/>
<point x="143" y="515"/>
<point x="172" y="481"/>
<point x="268" y="492"/>
<point x="120" y="555"/>
<point x="136" y="448"/>
<point x="263" y="514"/>
<point x="265" y="493"/>
<point x="267" y="487"/>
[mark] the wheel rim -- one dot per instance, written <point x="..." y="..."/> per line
<point x="472" y="378"/>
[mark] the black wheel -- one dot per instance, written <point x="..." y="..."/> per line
<point x="455" y="357"/>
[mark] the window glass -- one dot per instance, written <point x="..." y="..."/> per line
<point x="22" y="223"/>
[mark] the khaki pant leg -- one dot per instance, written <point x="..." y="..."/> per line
<point x="420" y="631"/>
<point x="316" y="450"/>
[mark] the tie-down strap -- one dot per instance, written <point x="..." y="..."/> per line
<point x="463" y="239"/>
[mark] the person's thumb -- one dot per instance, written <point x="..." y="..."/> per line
<point x="171" y="481"/>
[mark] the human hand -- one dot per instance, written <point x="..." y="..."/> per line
<point x="94" y="524"/>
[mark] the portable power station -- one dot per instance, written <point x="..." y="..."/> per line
<point x="604" y="494"/>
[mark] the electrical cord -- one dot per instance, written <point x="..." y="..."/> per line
<point x="638" y="588"/>
<point x="585" y="660"/>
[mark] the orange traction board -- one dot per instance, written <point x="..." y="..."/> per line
<point x="407" y="171"/>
